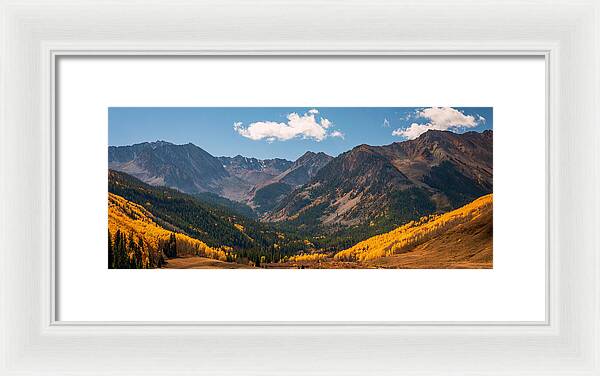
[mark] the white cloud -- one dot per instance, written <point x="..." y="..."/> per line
<point x="325" y="123"/>
<point x="386" y="123"/>
<point x="337" y="134"/>
<point x="439" y="118"/>
<point x="305" y="126"/>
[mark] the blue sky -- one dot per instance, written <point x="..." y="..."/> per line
<point x="287" y="132"/>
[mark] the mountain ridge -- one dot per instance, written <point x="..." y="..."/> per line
<point x="190" y="169"/>
<point x="365" y="187"/>
<point x="385" y="186"/>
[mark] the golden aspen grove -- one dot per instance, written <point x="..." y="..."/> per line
<point x="414" y="233"/>
<point x="461" y="238"/>
<point x="133" y="220"/>
<point x="407" y="246"/>
<point x="307" y="257"/>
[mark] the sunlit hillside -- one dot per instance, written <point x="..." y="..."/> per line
<point x="140" y="229"/>
<point x="307" y="257"/>
<point x="472" y="221"/>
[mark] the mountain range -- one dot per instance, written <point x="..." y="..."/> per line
<point x="393" y="184"/>
<point x="366" y="190"/>
<point x="190" y="169"/>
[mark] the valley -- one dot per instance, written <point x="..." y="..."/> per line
<point x="422" y="203"/>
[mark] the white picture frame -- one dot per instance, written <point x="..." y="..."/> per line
<point x="34" y="34"/>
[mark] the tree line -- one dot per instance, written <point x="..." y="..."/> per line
<point x="126" y="251"/>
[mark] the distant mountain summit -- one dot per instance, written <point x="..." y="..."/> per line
<point x="304" y="168"/>
<point x="385" y="186"/>
<point x="253" y="170"/>
<point x="190" y="169"/>
<point x="187" y="168"/>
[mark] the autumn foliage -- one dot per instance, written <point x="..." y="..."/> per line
<point x="306" y="257"/>
<point x="414" y="233"/>
<point x="144" y="242"/>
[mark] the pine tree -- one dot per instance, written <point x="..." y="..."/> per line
<point x="161" y="260"/>
<point x="131" y="254"/>
<point x="111" y="256"/>
<point x="140" y="254"/>
<point x="173" y="245"/>
<point x="117" y="250"/>
<point x="120" y="250"/>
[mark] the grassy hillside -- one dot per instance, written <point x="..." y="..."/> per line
<point x="462" y="235"/>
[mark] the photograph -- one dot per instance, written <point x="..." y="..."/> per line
<point x="300" y="187"/>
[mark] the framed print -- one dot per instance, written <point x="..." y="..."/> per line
<point x="376" y="196"/>
<point x="334" y="189"/>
